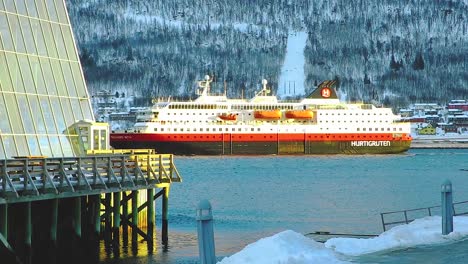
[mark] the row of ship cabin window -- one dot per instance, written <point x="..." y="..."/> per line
<point x="357" y="121"/>
<point x="258" y="129"/>
<point x="352" y="114"/>
<point x="175" y="113"/>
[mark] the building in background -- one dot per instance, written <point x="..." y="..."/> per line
<point x="42" y="88"/>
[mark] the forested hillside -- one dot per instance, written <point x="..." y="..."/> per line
<point x="393" y="51"/>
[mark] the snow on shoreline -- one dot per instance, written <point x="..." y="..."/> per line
<point x="291" y="247"/>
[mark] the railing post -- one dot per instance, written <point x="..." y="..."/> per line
<point x="161" y="167"/>
<point x="383" y="222"/>
<point x="206" y="245"/>
<point x="171" y="166"/>
<point x="447" y="209"/>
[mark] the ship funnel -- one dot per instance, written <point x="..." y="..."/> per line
<point x="325" y="90"/>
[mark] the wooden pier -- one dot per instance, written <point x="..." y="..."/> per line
<point x="44" y="201"/>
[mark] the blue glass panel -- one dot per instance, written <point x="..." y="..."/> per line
<point x="28" y="80"/>
<point x="59" y="41"/>
<point x="45" y="146"/>
<point x="38" y="37"/>
<point x="15" y="73"/>
<point x="16" y="33"/>
<point x="2" y="150"/>
<point x="28" y="36"/>
<point x="4" y="121"/>
<point x="28" y="122"/>
<point x="68" y="38"/>
<point x="59" y="119"/>
<point x="68" y="112"/>
<point x="51" y="10"/>
<point x="22" y="146"/>
<point x="13" y="113"/>
<point x="5" y="80"/>
<point x="48" y="76"/>
<point x="33" y="146"/>
<point x="31" y="5"/>
<point x="5" y="33"/>
<point x="58" y="74"/>
<point x="41" y="9"/>
<point x="37" y="114"/>
<point x="10" y="6"/>
<point x="48" y="115"/>
<point x="36" y="72"/>
<point x="21" y="7"/>
<point x="69" y="79"/>
<point x="66" y="146"/>
<point x="49" y="39"/>
<point x="62" y="13"/>
<point x="76" y="109"/>
<point x="56" y="146"/>
<point x="9" y="146"/>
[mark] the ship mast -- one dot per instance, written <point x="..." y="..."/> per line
<point x="204" y="86"/>
<point x="265" y="91"/>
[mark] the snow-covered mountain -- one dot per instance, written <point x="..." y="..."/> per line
<point x="393" y="51"/>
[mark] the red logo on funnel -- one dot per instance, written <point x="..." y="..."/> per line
<point x="326" y="92"/>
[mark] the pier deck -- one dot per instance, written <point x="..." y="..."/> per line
<point x="31" y="179"/>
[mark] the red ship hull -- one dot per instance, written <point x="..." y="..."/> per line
<point x="264" y="144"/>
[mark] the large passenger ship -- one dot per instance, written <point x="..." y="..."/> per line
<point x="216" y="125"/>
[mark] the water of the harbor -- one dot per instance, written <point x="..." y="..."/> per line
<point x="258" y="196"/>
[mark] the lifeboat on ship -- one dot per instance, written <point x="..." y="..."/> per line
<point x="267" y="114"/>
<point x="299" y="114"/>
<point x="227" y="117"/>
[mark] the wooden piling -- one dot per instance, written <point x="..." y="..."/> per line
<point x="150" y="218"/>
<point x="134" y="218"/>
<point x="165" y="204"/>
<point x="107" y="219"/>
<point x="4" y="220"/>
<point x="96" y="207"/>
<point x="125" y="217"/>
<point x="53" y="222"/>
<point x="116" y="222"/>
<point x="77" y="216"/>
<point x="27" y="233"/>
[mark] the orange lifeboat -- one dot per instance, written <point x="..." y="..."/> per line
<point x="300" y="114"/>
<point x="228" y="117"/>
<point x="267" y="114"/>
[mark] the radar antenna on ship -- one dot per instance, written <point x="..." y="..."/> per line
<point x="265" y="91"/>
<point x="204" y="86"/>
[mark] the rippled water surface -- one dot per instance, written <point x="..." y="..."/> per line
<point x="257" y="196"/>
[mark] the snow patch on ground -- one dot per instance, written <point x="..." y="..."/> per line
<point x="285" y="247"/>
<point x="291" y="247"/>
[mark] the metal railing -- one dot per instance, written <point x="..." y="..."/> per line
<point x="407" y="216"/>
<point x="35" y="177"/>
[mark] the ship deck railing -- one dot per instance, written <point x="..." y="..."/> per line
<point x="38" y="178"/>
<point x="390" y="219"/>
